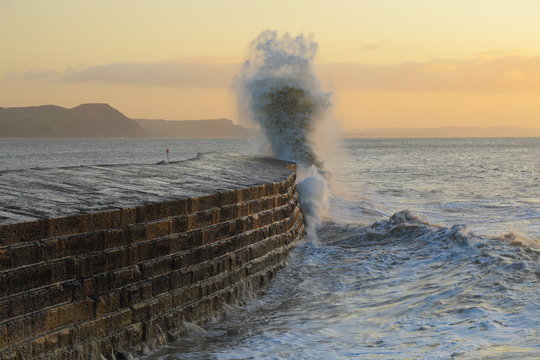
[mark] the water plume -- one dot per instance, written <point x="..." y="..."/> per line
<point x="279" y="91"/>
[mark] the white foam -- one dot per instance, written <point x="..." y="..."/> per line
<point x="279" y="91"/>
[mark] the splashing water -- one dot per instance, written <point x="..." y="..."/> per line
<point x="377" y="286"/>
<point x="280" y="91"/>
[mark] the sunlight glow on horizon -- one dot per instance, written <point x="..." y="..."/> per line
<point x="390" y="63"/>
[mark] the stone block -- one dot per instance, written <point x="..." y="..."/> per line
<point x="114" y="238"/>
<point x="136" y="233"/>
<point x="19" y="255"/>
<point x="153" y="212"/>
<point x="163" y="246"/>
<point x="135" y="333"/>
<point x="227" y="213"/>
<point x="128" y="216"/>
<point x="29" y="277"/>
<point x="210" y="235"/>
<point x="178" y="224"/>
<point x="143" y="311"/>
<point x="103" y="261"/>
<point x="125" y="276"/>
<point x="94" y="328"/>
<point x="76" y="245"/>
<point x="23" y="232"/>
<point x="23" y="327"/>
<point x="156" y="267"/>
<point x="141" y="252"/>
<point x="158" y="229"/>
<point x="35" y="300"/>
<point x="227" y="198"/>
<point x="63" y="226"/>
<point x="160" y="284"/>
<point x="107" y="303"/>
<point x="208" y="202"/>
<point x="69" y="313"/>
<point x="192" y="205"/>
<point x="179" y="207"/>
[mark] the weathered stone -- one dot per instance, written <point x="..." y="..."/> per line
<point x="106" y="281"/>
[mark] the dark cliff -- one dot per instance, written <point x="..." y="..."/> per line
<point x="212" y="128"/>
<point x="86" y="120"/>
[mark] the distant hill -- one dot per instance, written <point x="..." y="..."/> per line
<point x="212" y="128"/>
<point x="104" y="121"/>
<point x="441" y="132"/>
<point x="85" y="121"/>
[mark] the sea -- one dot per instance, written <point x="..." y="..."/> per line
<point x="430" y="249"/>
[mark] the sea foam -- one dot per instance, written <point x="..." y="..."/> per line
<point x="279" y="91"/>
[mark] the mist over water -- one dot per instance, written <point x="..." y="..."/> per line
<point x="279" y="91"/>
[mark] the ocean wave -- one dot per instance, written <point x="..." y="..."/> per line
<point x="399" y="287"/>
<point x="517" y="239"/>
<point x="405" y="226"/>
<point x="279" y="91"/>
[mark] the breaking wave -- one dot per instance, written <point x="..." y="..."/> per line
<point x="279" y="91"/>
<point x="397" y="288"/>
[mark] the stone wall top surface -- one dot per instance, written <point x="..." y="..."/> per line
<point x="27" y="195"/>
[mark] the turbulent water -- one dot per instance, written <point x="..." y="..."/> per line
<point x="279" y="91"/>
<point x="430" y="250"/>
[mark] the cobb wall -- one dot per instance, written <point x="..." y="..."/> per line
<point x="101" y="284"/>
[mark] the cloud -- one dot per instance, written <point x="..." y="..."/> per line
<point x="504" y="74"/>
<point x="499" y="53"/>
<point x="513" y="76"/>
<point x="515" y="73"/>
<point x="32" y="75"/>
<point x="374" y="45"/>
<point x="440" y="66"/>
<point x="193" y="72"/>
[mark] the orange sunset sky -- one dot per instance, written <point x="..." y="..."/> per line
<point x="390" y="63"/>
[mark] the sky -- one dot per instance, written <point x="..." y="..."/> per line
<point x="389" y="63"/>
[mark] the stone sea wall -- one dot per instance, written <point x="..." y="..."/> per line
<point x="105" y="283"/>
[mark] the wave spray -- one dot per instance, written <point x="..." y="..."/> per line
<point x="279" y="91"/>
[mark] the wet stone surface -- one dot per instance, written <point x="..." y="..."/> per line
<point x="31" y="194"/>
